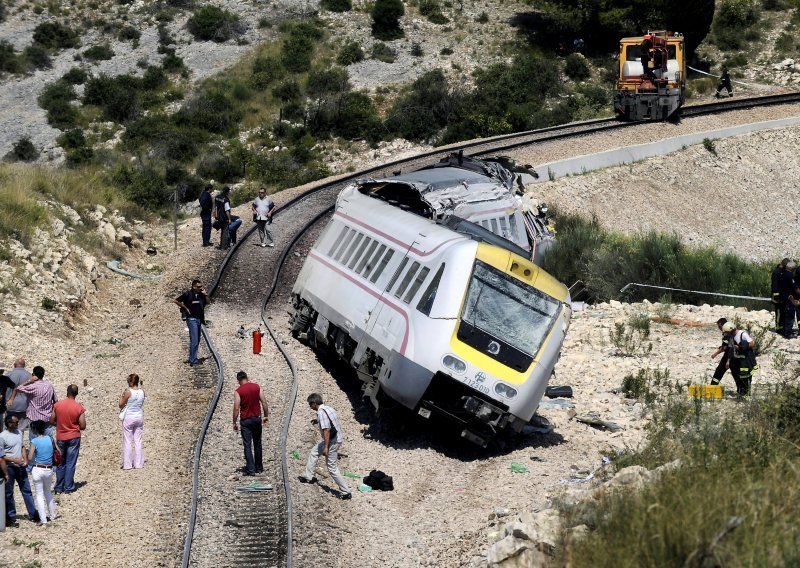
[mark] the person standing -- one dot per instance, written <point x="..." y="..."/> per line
<point x="246" y="402"/>
<point x="6" y="386"/>
<point x="40" y="454"/>
<point x="70" y="418"/>
<point x="263" y="210"/>
<point x="742" y="358"/>
<point x="132" y="403"/>
<point x="206" y="207"/>
<point x="789" y="293"/>
<point x="222" y="213"/>
<point x="41" y="398"/>
<point x="332" y="438"/>
<point x="777" y="303"/>
<point x="17" y="468"/>
<point x="724" y="81"/>
<point x="17" y="407"/>
<point x="724" y="348"/>
<point x="193" y="305"/>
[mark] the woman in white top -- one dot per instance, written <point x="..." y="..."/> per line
<point x="131" y="402"/>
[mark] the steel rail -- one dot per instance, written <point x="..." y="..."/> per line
<point x="496" y="143"/>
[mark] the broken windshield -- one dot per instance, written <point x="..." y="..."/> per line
<point x="503" y="309"/>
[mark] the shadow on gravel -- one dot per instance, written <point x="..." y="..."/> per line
<point x="397" y="427"/>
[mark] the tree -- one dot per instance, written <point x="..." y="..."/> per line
<point x="326" y="87"/>
<point x="386" y="16"/>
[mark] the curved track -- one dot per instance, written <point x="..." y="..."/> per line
<point x="263" y="531"/>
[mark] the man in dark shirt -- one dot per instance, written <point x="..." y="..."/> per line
<point x="246" y="401"/>
<point x="206" y="206"/>
<point x="789" y="295"/>
<point x="222" y="213"/>
<point x="193" y="303"/>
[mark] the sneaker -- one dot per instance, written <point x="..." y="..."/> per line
<point x="271" y="245"/>
<point x="346" y="496"/>
<point x="304" y="480"/>
<point x="12" y="523"/>
<point x="263" y="245"/>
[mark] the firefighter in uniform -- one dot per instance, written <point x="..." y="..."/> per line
<point x="724" y="81"/>
<point x="742" y="358"/>
<point x="789" y="294"/>
<point x="777" y="304"/>
<point x="724" y="348"/>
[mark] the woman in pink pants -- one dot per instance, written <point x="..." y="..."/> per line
<point x="131" y="402"/>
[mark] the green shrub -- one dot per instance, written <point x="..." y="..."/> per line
<point x="386" y="16"/>
<point x="9" y="60"/>
<point x="37" y="57"/>
<point x="154" y="78"/>
<point x="23" y="151"/>
<point x="55" y="35"/>
<point x="80" y="156"/>
<point x="432" y="10"/>
<point x="129" y="33"/>
<point x="446" y="51"/>
<point x="72" y="139"/>
<point x="708" y="144"/>
<point x="49" y="304"/>
<point x="350" y="53"/>
<point x="100" y="52"/>
<point x="296" y="53"/>
<point x="576" y="67"/>
<point x="163" y="138"/>
<point x="173" y="63"/>
<point x="117" y="96"/>
<point x="264" y="23"/>
<point x="416" y="50"/>
<point x="2" y="11"/>
<point x="211" y="110"/>
<point x="55" y="99"/>
<point x="482" y="18"/>
<point x="287" y="91"/>
<point x="220" y="167"/>
<point x="142" y="185"/>
<point x="357" y="117"/>
<point x="631" y="339"/>
<point x="265" y="71"/>
<point x="383" y="52"/>
<point x="213" y="23"/>
<point x="424" y="109"/>
<point x="336" y="5"/>
<point x="75" y="76"/>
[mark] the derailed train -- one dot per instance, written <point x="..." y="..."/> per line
<point x="652" y="76"/>
<point x="441" y="314"/>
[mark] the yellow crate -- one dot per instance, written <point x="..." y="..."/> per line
<point x="705" y="391"/>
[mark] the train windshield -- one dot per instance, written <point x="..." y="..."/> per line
<point x="504" y="318"/>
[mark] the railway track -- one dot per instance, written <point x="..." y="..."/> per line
<point x="255" y="528"/>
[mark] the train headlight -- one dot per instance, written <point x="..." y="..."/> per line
<point x="504" y="390"/>
<point x="454" y="364"/>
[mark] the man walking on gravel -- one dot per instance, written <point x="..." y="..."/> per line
<point x="70" y="418"/>
<point x="263" y="210"/>
<point x="332" y="438"/>
<point x="247" y="415"/>
<point x="206" y="208"/>
<point x="193" y="304"/>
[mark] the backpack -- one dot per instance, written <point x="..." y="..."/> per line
<point x="379" y="481"/>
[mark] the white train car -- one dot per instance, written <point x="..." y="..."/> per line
<point x="434" y="319"/>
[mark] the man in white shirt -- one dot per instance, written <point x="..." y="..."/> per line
<point x="332" y="439"/>
<point x="263" y="210"/>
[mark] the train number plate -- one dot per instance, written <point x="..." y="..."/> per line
<point x="480" y="387"/>
<point x="424" y="412"/>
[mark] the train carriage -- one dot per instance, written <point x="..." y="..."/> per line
<point x="444" y="321"/>
<point x="652" y="76"/>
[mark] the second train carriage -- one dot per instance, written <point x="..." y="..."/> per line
<point x="652" y="76"/>
<point x="440" y="321"/>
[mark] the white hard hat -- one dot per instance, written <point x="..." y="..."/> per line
<point x="728" y="327"/>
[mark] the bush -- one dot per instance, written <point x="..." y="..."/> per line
<point x="386" y="16"/>
<point x="296" y="53"/>
<point x="211" y="110"/>
<point x="129" y="33"/>
<point x="37" y="57"/>
<point x="336" y="5"/>
<point x="424" y="109"/>
<point x="350" y="53"/>
<point x="23" y="151"/>
<point x="172" y="63"/>
<point x="54" y="35"/>
<point x="100" y="52"/>
<point x="383" y="52"/>
<point x="357" y="117"/>
<point x="163" y="138"/>
<point x="49" y="304"/>
<point x="482" y="18"/>
<point x="117" y="96"/>
<point x="142" y="185"/>
<point x="220" y="167"/>
<point x="154" y="78"/>
<point x="2" y="11"/>
<point x="9" y="60"/>
<point x="214" y="23"/>
<point x="79" y="156"/>
<point x="432" y="10"/>
<point x="416" y="50"/>
<point x="576" y="67"/>
<point x="265" y="71"/>
<point x="55" y="99"/>
<point x="75" y="76"/>
<point x="72" y="139"/>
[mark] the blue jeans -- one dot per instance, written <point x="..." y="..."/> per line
<point x="251" y="439"/>
<point x="20" y="474"/>
<point x="236" y="222"/>
<point x="65" y="473"/>
<point x="194" y="338"/>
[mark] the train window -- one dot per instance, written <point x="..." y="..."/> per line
<point x="365" y="258"/>
<point x="426" y="301"/>
<point x="338" y="241"/>
<point x="504" y="226"/>
<point x="634" y="52"/>
<point x="423" y="274"/>
<point x="346" y="242"/>
<point x="384" y="261"/>
<point x="360" y="252"/>
<point x="353" y="247"/>
<point x="406" y="279"/>
<point x="494" y="226"/>
<point x="396" y="273"/>
<point x="512" y="222"/>
<point x="374" y="261"/>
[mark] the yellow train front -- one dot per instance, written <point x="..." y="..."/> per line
<point x="651" y="84"/>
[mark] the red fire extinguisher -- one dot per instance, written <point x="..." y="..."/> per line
<point x="257" y="341"/>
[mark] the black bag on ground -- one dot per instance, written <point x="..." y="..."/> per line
<point x="379" y="481"/>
